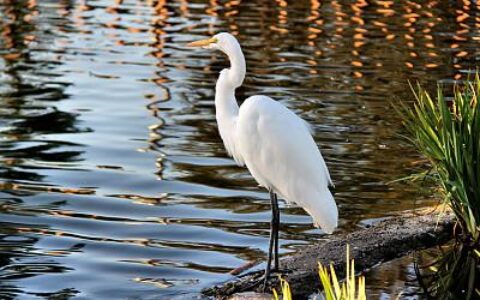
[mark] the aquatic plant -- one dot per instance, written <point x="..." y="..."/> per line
<point x="447" y="133"/>
<point x="286" y="292"/>
<point x="349" y="289"/>
<point x="333" y="289"/>
<point x="454" y="274"/>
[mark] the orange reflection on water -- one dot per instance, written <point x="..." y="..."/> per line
<point x="282" y="17"/>
<point x="211" y="10"/>
<point x="13" y="40"/>
<point x="232" y="10"/>
<point x="314" y="20"/>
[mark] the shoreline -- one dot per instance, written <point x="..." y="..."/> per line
<point x="386" y="240"/>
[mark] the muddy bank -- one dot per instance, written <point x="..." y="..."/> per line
<point x="382" y="242"/>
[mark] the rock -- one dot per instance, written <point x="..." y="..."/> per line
<point x="251" y="296"/>
<point x="383" y="241"/>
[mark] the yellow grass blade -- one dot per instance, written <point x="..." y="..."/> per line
<point x="275" y="294"/>
<point x="336" y="284"/>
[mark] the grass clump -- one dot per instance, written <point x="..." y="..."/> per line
<point x="349" y="289"/>
<point x="334" y="289"/>
<point x="453" y="274"/>
<point x="286" y="292"/>
<point x="447" y="133"/>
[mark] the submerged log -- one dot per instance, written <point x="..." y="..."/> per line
<point x="384" y="241"/>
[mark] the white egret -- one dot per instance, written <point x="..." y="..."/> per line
<point x="274" y="143"/>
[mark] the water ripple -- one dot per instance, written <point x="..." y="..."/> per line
<point x="112" y="173"/>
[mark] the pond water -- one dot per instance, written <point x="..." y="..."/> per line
<point x="114" y="181"/>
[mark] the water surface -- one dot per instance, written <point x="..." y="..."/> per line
<point x="114" y="181"/>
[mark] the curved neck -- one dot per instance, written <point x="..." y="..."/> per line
<point x="226" y="106"/>
<point x="237" y="70"/>
<point x="230" y="79"/>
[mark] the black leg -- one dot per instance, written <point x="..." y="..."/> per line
<point x="277" y="229"/>
<point x="272" y="239"/>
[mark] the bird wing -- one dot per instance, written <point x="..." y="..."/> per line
<point x="282" y="156"/>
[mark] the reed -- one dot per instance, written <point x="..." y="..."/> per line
<point x="447" y="133"/>
<point x="453" y="274"/>
<point x="349" y="289"/>
<point x="286" y="293"/>
<point x="333" y="289"/>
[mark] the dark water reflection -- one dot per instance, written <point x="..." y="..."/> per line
<point x="446" y="272"/>
<point x="114" y="180"/>
<point x="395" y="280"/>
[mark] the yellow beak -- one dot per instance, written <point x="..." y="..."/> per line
<point x="202" y="43"/>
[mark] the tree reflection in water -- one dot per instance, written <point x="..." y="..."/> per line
<point x="453" y="274"/>
<point x="28" y="89"/>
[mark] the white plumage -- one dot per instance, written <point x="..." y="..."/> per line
<point x="274" y="143"/>
<point x="280" y="153"/>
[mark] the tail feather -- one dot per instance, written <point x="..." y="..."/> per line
<point x="323" y="210"/>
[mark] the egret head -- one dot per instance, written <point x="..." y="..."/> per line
<point x="223" y="41"/>
<point x="228" y="44"/>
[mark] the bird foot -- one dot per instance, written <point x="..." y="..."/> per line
<point x="273" y="273"/>
<point x="259" y="277"/>
<point x="278" y="271"/>
<point x="255" y="281"/>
